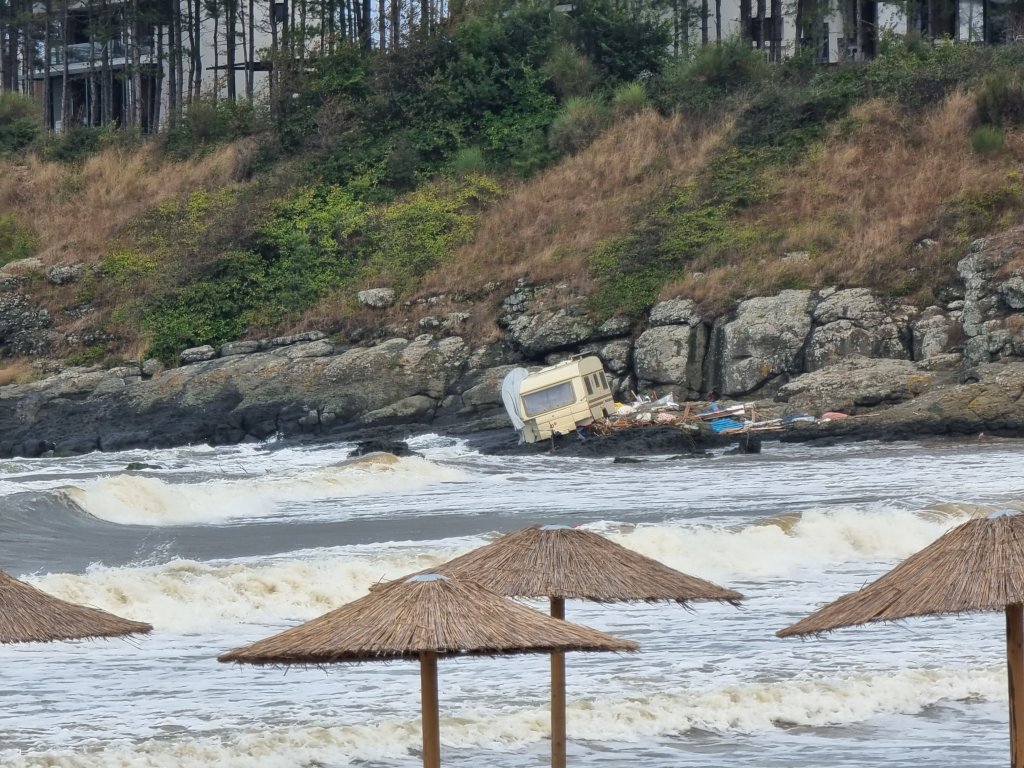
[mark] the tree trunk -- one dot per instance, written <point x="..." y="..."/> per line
<point x="136" y="38"/>
<point x="704" y="22"/>
<point x="65" y="90"/>
<point x="47" y="61"/>
<point x="250" y="73"/>
<point x="231" y="41"/>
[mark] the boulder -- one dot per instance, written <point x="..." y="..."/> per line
<point x="853" y="383"/>
<point x="538" y="333"/>
<point x="855" y="322"/>
<point x="24" y="329"/>
<point x="62" y="274"/>
<point x="197" y="354"/>
<point x="675" y="312"/>
<point x="673" y="355"/>
<point x="932" y="334"/>
<point x="376" y="298"/>
<point x="239" y="348"/>
<point x="762" y="341"/>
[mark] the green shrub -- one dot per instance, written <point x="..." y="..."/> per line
<point x="209" y="122"/>
<point x="580" y="122"/>
<point x="999" y="99"/>
<point x="629" y="99"/>
<point x="703" y="83"/>
<point x="16" y="240"/>
<point x="571" y="73"/>
<point x="75" y="144"/>
<point x="469" y="161"/>
<point x="20" y="122"/>
<point x="975" y="213"/>
<point x="919" y="75"/>
<point x="987" y="140"/>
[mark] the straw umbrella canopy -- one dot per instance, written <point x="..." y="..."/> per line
<point x="977" y="566"/>
<point x="28" y="615"/>
<point x="425" y="617"/>
<point x="558" y="562"/>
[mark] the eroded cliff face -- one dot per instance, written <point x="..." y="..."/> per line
<point x="908" y="370"/>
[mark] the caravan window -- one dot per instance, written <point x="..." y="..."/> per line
<point x="548" y="399"/>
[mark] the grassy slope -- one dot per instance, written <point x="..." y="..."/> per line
<point x="857" y="203"/>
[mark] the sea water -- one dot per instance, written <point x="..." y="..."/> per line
<point x="220" y="547"/>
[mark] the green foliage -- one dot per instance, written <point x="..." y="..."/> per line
<point x="919" y="75"/>
<point x="321" y="239"/>
<point x="987" y="140"/>
<point x="624" y="41"/>
<point x="414" y="235"/>
<point x="491" y="82"/>
<point x="629" y="99"/>
<point x="580" y="122"/>
<point x="715" y="72"/>
<point x="209" y="122"/>
<point x="74" y="145"/>
<point x="570" y="72"/>
<point x="629" y="272"/>
<point x="469" y="161"/>
<point x="127" y="268"/>
<point x="975" y="213"/>
<point x="88" y="356"/>
<point x="999" y="99"/>
<point x="16" y="240"/>
<point x="20" y="122"/>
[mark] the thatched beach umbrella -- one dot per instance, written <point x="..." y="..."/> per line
<point x="28" y="615"/>
<point x="978" y="566"/>
<point x="425" y="617"/>
<point x="558" y="562"/>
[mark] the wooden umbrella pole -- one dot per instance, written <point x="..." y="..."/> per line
<point x="1015" y="672"/>
<point x="558" y="694"/>
<point x="428" y="704"/>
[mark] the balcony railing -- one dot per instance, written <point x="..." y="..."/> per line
<point x="84" y="53"/>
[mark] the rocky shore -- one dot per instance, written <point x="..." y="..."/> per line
<point x="897" y="370"/>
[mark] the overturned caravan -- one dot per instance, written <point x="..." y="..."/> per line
<point x="557" y="400"/>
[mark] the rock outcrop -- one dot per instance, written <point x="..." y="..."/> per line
<point x="953" y="367"/>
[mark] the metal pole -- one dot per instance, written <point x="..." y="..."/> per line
<point x="1015" y="673"/>
<point x="558" y="694"/>
<point x="428" y="704"/>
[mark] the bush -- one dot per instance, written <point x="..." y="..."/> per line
<point x="75" y="144"/>
<point x="715" y="71"/>
<point x="999" y="100"/>
<point x="580" y="122"/>
<point x="20" y="122"/>
<point x="469" y="161"/>
<point x="16" y="241"/>
<point x="209" y="122"/>
<point x="570" y="72"/>
<point x="629" y="99"/>
<point x="987" y="140"/>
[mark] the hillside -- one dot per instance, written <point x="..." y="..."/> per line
<point x="716" y="178"/>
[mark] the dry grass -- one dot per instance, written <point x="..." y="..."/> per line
<point x="546" y="228"/>
<point x="16" y="371"/>
<point x="858" y="206"/>
<point x="76" y="212"/>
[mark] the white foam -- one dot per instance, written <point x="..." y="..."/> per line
<point x="780" y="546"/>
<point x="145" y="500"/>
<point x="186" y="596"/>
<point x="739" y="709"/>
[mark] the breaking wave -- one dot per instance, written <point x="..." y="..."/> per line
<point x="189" y="596"/>
<point x="759" y="708"/>
<point x="146" y="500"/>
